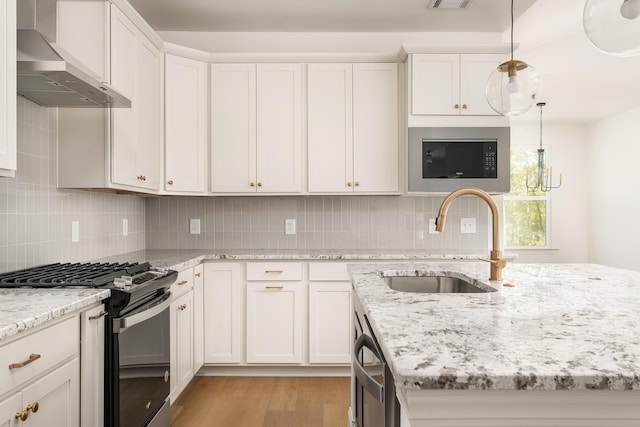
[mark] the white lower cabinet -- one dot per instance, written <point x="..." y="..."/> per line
<point x="198" y="317"/>
<point x="224" y="313"/>
<point x="181" y="333"/>
<point x="42" y="377"/>
<point x="274" y="322"/>
<point x="92" y="367"/>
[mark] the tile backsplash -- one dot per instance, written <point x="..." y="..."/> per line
<point x="322" y="223"/>
<point x="35" y="217"/>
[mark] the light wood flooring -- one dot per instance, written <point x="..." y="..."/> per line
<point x="263" y="402"/>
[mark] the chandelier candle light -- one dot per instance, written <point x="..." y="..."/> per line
<point x="544" y="180"/>
<point x="513" y="87"/>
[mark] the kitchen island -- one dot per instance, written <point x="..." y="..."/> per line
<point x="558" y="346"/>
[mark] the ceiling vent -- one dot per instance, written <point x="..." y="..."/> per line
<point x="449" y="4"/>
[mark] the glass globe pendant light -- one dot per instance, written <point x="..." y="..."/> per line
<point x="613" y="26"/>
<point x="513" y="87"/>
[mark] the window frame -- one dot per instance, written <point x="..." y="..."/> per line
<point x="546" y="196"/>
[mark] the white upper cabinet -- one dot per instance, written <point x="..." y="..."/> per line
<point x="256" y="128"/>
<point x="8" y="141"/>
<point x="185" y="103"/>
<point x="452" y="84"/>
<point x="353" y="128"/>
<point x="135" y="72"/>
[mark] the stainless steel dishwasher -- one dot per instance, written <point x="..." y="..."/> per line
<point x="373" y="400"/>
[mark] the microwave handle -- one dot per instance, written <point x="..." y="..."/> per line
<point x="371" y="385"/>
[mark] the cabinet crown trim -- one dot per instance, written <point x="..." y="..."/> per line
<point x="411" y="48"/>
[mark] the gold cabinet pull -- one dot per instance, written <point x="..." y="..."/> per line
<point x="274" y="271"/>
<point x="252" y="184"/>
<point x="170" y="182"/>
<point x="183" y="282"/>
<point x="182" y="307"/>
<point x="357" y="183"/>
<point x="464" y="106"/>
<point x="259" y="184"/>
<point x="32" y="358"/>
<point x="97" y="316"/>
<point x="22" y="416"/>
<point x="456" y="106"/>
<point x="33" y="407"/>
<point x="274" y="287"/>
<point x="197" y="274"/>
<point x="349" y="184"/>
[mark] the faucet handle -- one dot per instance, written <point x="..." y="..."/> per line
<point x="499" y="263"/>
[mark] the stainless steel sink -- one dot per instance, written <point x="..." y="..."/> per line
<point x="434" y="285"/>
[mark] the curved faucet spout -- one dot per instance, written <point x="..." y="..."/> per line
<point x="497" y="263"/>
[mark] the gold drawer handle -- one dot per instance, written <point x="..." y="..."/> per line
<point x="183" y="282"/>
<point x="274" y="287"/>
<point x="464" y="106"/>
<point x="349" y="184"/>
<point x="182" y="307"/>
<point x="32" y="358"/>
<point x="170" y="182"/>
<point x="197" y="274"/>
<point x="22" y="416"/>
<point x="274" y="271"/>
<point x="456" y="106"/>
<point x="97" y="316"/>
<point x="252" y="184"/>
<point x="33" y="407"/>
<point x="357" y="183"/>
<point x="259" y="184"/>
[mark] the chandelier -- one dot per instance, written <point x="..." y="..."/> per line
<point x="544" y="175"/>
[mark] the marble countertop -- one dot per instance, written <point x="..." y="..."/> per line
<point x="23" y="309"/>
<point x="559" y="327"/>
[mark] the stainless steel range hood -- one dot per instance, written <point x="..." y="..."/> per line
<point x="47" y="74"/>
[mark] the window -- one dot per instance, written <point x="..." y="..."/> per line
<point x="525" y="212"/>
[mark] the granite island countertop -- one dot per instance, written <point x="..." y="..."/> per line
<point x="560" y="327"/>
<point x="23" y="309"/>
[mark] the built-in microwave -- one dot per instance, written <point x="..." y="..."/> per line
<point x="445" y="159"/>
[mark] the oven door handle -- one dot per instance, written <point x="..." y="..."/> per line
<point x="161" y="304"/>
<point x="368" y="382"/>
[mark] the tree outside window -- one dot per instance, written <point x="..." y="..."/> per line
<point x="525" y="212"/>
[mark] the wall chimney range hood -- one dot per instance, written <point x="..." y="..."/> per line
<point x="49" y="76"/>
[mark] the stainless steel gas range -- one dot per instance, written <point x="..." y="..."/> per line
<point x="137" y="352"/>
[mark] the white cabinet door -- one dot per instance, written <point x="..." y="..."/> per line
<point x="8" y="141"/>
<point x="181" y="336"/>
<point x="475" y="70"/>
<point x="233" y="128"/>
<point x="330" y="128"/>
<point x="58" y="397"/>
<point x="8" y="410"/>
<point x="274" y="322"/>
<point x="135" y="72"/>
<point x="435" y="84"/>
<point x="92" y="367"/>
<point x="223" y="312"/>
<point x="452" y="84"/>
<point x="279" y="128"/>
<point x="185" y="103"/>
<point x="198" y="317"/>
<point x="375" y="128"/>
<point x="330" y="322"/>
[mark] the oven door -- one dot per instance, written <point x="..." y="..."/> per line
<point x="144" y="358"/>
<point x="368" y="370"/>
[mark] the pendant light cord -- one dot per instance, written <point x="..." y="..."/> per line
<point x="511" y="30"/>
<point x="541" y="104"/>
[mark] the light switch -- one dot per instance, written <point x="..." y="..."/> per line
<point x="432" y="226"/>
<point x="194" y="226"/>
<point x="467" y="225"/>
<point x="289" y="226"/>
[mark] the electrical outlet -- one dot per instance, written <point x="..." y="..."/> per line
<point x="289" y="226"/>
<point x="194" y="226"/>
<point x="467" y="225"/>
<point x="75" y="231"/>
<point x="125" y="227"/>
<point x="432" y="226"/>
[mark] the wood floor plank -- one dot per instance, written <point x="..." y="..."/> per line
<point x="263" y="402"/>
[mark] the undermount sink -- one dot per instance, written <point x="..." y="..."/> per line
<point x="434" y="285"/>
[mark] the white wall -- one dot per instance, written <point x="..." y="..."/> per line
<point x="614" y="180"/>
<point x="567" y="144"/>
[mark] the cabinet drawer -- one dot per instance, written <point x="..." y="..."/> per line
<point x="37" y="353"/>
<point x="328" y="271"/>
<point x="274" y="271"/>
<point x="183" y="283"/>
